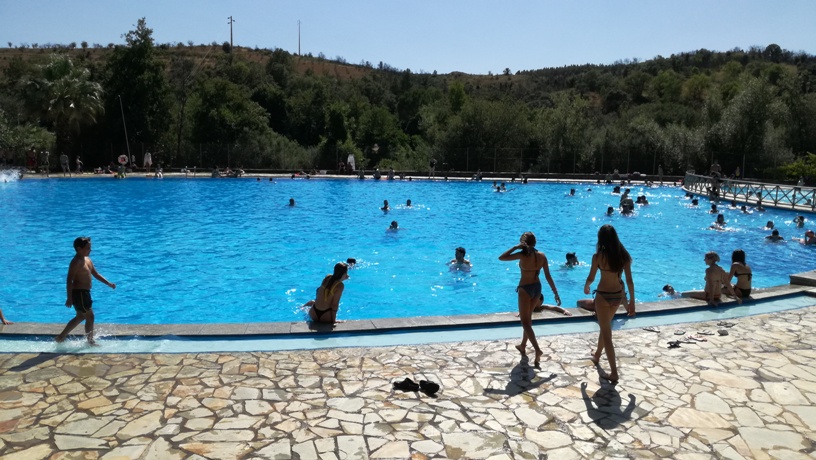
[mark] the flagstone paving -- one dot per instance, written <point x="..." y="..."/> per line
<point x="750" y="394"/>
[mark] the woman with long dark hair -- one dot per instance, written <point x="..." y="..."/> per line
<point x="531" y="262"/>
<point x="327" y="299"/>
<point x="613" y="260"/>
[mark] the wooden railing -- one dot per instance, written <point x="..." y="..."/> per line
<point x="742" y="191"/>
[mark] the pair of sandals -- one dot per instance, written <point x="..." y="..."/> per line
<point x="427" y="387"/>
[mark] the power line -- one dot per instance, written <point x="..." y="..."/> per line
<point x="230" y="24"/>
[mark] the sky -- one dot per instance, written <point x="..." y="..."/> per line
<point x="472" y="36"/>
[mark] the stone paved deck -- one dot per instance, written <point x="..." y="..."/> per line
<point x="750" y="394"/>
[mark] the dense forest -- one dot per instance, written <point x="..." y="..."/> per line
<point x="209" y="105"/>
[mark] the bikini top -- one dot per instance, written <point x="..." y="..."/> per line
<point x="537" y="270"/>
<point x="328" y="294"/>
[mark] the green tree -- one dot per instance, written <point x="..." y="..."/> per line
<point x="63" y="95"/>
<point x="136" y="80"/>
<point x="224" y="113"/>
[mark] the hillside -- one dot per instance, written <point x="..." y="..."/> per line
<point x="201" y="104"/>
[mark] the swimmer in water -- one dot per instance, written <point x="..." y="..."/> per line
<point x="713" y="209"/>
<point x="394" y="226"/>
<point x="610" y="210"/>
<point x="695" y="202"/>
<point x="668" y="291"/>
<point x="799" y="221"/>
<point x="408" y="203"/>
<point x="459" y="262"/>
<point x="385" y="206"/>
<point x="291" y="201"/>
<point x="572" y="259"/>
<point x="769" y="225"/>
<point x="809" y="239"/>
<point x="774" y="236"/>
<point x="720" y="223"/>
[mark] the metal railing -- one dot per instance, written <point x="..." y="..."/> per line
<point x="777" y="195"/>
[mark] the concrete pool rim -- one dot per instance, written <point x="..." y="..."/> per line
<point x="800" y="284"/>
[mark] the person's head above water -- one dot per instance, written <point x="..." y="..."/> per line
<point x="713" y="207"/>
<point x="351" y="261"/>
<point x="572" y="259"/>
<point x="291" y="201"/>
<point x="695" y="202"/>
<point x="460" y="253"/>
<point x="770" y="224"/>
<point x="720" y="219"/>
<point x="408" y="203"/>
<point x="610" y="210"/>
<point x="394" y="225"/>
<point x="668" y="289"/>
<point x="775" y="232"/>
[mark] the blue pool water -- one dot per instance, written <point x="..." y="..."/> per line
<point x="207" y="250"/>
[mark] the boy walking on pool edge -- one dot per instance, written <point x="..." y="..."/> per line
<point x="78" y="287"/>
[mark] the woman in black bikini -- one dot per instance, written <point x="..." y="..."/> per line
<point x="327" y="298"/>
<point x="743" y="273"/>
<point x="529" y="289"/>
<point x="613" y="260"/>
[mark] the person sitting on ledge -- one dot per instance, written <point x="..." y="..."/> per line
<point x="715" y="280"/>
<point x="323" y="309"/>
<point x="742" y="288"/>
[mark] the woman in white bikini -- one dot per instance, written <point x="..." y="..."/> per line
<point x="613" y="260"/>
<point x="327" y="299"/>
<point x="531" y="262"/>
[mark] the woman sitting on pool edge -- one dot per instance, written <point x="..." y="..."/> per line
<point x="743" y="273"/>
<point x="327" y="298"/>
<point x="716" y="279"/>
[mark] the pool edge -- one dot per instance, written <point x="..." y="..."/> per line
<point x="801" y="284"/>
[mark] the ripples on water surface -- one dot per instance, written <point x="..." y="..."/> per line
<point x="206" y="250"/>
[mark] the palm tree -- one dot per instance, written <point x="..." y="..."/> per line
<point x="63" y="96"/>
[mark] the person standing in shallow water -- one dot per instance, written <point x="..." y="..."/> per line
<point x="531" y="262"/>
<point x="78" y="287"/>
<point x="612" y="259"/>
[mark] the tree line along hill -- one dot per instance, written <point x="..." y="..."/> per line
<point x="213" y="105"/>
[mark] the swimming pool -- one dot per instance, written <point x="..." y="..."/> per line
<point x="231" y="250"/>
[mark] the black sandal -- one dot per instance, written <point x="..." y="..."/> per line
<point x="406" y="385"/>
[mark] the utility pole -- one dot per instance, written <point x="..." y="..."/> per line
<point x="230" y="24"/>
<point x="298" y="37"/>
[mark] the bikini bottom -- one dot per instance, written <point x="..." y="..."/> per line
<point x="533" y="290"/>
